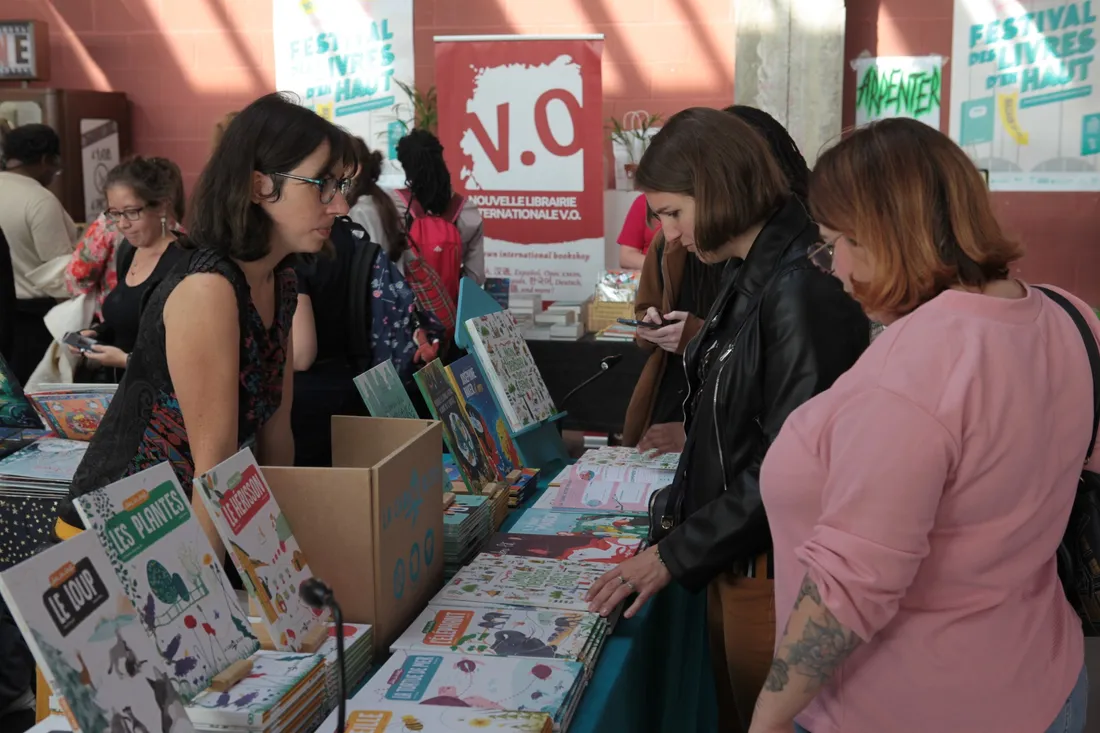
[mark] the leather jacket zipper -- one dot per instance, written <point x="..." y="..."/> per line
<point x="723" y="360"/>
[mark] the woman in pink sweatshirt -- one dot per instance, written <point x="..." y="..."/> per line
<point x="916" y="506"/>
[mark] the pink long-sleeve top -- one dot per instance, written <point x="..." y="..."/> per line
<point x="926" y="493"/>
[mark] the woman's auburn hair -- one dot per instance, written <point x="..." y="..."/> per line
<point x="724" y="164"/>
<point x="910" y="197"/>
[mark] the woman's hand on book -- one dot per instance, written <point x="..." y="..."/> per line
<point x="643" y="574"/>
<point x="667" y="437"/>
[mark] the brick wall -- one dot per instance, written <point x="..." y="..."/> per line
<point x="1059" y="229"/>
<point x="184" y="63"/>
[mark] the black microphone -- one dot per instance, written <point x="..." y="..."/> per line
<point x="606" y="365"/>
<point x="317" y="594"/>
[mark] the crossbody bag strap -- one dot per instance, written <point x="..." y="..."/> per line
<point x="1094" y="356"/>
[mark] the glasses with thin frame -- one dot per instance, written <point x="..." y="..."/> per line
<point x="327" y="187"/>
<point x="821" y="254"/>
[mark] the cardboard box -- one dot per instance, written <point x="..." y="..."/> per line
<point x="372" y="526"/>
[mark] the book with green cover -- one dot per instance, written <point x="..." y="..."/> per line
<point x="443" y="401"/>
<point x="383" y="392"/>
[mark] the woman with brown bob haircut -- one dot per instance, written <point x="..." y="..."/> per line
<point x="917" y="505"/>
<point x="779" y="332"/>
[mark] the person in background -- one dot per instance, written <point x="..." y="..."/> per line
<point x="636" y="236"/>
<point x="143" y="196"/>
<point x="40" y="236"/>
<point x="428" y="182"/>
<point x="917" y="506"/>
<point x="374" y="209"/>
<point x="780" y="332"/>
<point x="678" y="289"/>
<point x="214" y="350"/>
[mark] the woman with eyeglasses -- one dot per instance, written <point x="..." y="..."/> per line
<point x="209" y="371"/>
<point x="779" y="332"/>
<point x="144" y="200"/>
<point x="918" y="505"/>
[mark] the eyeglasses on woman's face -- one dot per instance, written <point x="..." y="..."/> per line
<point x="821" y="253"/>
<point x="132" y="213"/>
<point x="327" y="187"/>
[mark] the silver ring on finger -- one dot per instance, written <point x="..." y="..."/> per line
<point x="630" y="585"/>
<point x="623" y="581"/>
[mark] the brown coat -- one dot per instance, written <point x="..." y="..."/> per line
<point x="660" y="293"/>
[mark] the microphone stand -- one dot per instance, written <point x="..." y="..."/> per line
<point x="316" y="594"/>
<point x="606" y="364"/>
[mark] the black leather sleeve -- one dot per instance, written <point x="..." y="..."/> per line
<point x="811" y="333"/>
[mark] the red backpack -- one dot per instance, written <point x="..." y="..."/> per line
<point x="436" y="239"/>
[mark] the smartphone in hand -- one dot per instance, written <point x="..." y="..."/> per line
<point x="79" y="341"/>
<point x="638" y="324"/>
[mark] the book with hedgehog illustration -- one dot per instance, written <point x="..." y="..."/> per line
<point x="169" y="571"/>
<point x="89" y="642"/>
<point x="258" y="537"/>
<point x="550" y="686"/>
<point x="504" y="632"/>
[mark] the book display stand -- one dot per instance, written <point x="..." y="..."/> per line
<point x="539" y="444"/>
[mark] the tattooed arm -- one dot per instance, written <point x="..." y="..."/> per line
<point x="814" y="645"/>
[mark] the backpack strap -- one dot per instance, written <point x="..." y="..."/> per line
<point x="454" y="208"/>
<point x="416" y="211"/>
<point x="359" y="295"/>
<point x="1094" y="356"/>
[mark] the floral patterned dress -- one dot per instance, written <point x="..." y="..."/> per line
<point x="144" y="425"/>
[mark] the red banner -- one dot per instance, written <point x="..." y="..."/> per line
<point x="520" y="120"/>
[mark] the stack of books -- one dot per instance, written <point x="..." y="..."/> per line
<point x="548" y="522"/>
<point x="487" y="684"/>
<point x="16" y="439"/>
<point x="522" y="486"/>
<point x="499" y="631"/>
<point x="500" y="496"/>
<point x="511" y="580"/>
<point x="72" y="411"/>
<point x="467" y="523"/>
<point x="577" y="547"/>
<point x="284" y="692"/>
<point x="400" y="717"/>
<point x="45" y="468"/>
<point x="358" y="647"/>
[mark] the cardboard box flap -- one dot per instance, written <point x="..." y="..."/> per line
<point x="329" y="510"/>
<point x="364" y="442"/>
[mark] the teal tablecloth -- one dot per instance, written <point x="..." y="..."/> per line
<point x="654" y="672"/>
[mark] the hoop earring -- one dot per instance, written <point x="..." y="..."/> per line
<point x="164" y="226"/>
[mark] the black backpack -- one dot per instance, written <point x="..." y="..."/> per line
<point x="1079" y="553"/>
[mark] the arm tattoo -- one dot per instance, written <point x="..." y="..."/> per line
<point x="824" y="645"/>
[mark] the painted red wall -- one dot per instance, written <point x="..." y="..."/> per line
<point x="184" y="63"/>
<point x="1060" y="230"/>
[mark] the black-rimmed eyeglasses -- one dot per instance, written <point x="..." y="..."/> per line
<point x="326" y="186"/>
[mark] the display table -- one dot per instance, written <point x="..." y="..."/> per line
<point x="599" y="407"/>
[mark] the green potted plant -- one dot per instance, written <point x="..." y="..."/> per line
<point x="632" y="135"/>
<point x="422" y="111"/>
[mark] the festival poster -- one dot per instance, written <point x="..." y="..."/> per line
<point x="520" y="118"/>
<point x="898" y="86"/>
<point x="1024" y="103"/>
<point x="347" y="60"/>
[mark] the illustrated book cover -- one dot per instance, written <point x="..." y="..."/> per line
<point x="383" y="392"/>
<point x="488" y="683"/>
<point x="547" y="521"/>
<point x="258" y="537"/>
<point x="394" y="717"/>
<point x="47" y="461"/>
<point x="15" y="409"/>
<point x="580" y="547"/>
<point x="439" y="392"/>
<point x="280" y="686"/>
<point x="598" y="495"/>
<point x="489" y="428"/>
<point x="503" y="632"/>
<point x="164" y="561"/>
<point x="510" y="369"/>
<point x="89" y="643"/>
<point x="522" y="581"/>
<point x="72" y="414"/>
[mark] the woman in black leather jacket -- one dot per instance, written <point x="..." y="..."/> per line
<point x="779" y="333"/>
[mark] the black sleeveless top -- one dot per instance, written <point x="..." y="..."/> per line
<point x="143" y="425"/>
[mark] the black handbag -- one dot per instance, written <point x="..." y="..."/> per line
<point x="661" y="515"/>
<point x="1079" y="553"/>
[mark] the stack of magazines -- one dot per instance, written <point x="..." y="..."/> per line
<point x="43" y="469"/>
<point x="467" y="523"/>
<point x="284" y="692"/>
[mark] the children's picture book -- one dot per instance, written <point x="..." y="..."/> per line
<point x="501" y="631"/>
<point x="510" y="369"/>
<point x="581" y="547"/>
<point x="75" y="413"/>
<point x="278" y="684"/>
<point x="259" y="539"/>
<point x="480" y="682"/>
<point x="598" y="495"/>
<point x="167" y="568"/>
<point x="618" y="455"/>
<point x="603" y="472"/>
<point x="394" y="717"/>
<point x="522" y="581"/>
<point x="458" y="433"/>
<point x="489" y="429"/>
<point x="49" y="461"/>
<point x="89" y="643"/>
<point x="384" y="393"/>
<point x="15" y="409"/>
<point x="541" y="521"/>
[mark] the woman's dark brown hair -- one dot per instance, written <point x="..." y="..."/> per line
<point x="366" y="184"/>
<point x="911" y="197"/>
<point x="721" y="162"/>
<point x="153" y="180"/>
